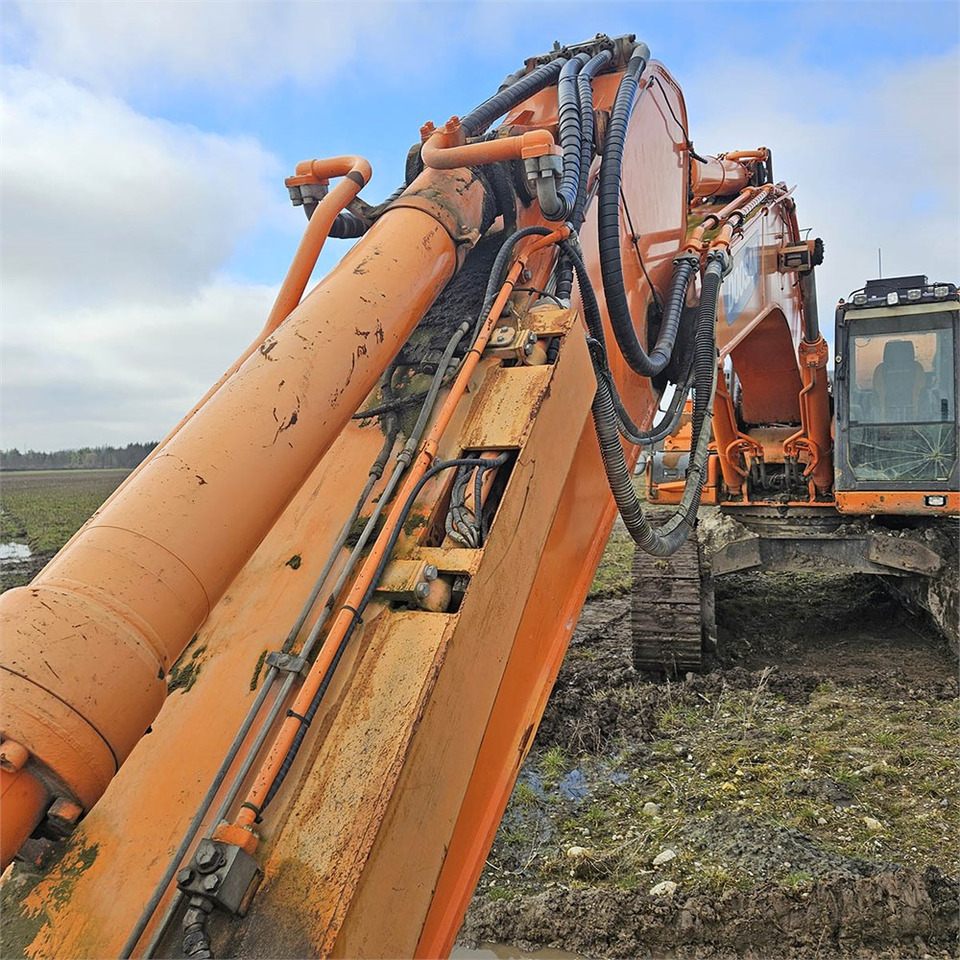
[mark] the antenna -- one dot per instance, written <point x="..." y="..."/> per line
<point x="879" y="263"/>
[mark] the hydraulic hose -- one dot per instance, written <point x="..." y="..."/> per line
<point x="628" y="429"/>
<point x="499" y="269"/>
<point x="585" y="97"/>
<point x="667" y="539"/>
<point x="478" y="119"/>
<point x="591" y="315"/>
<point x="569" y="130"/>
<point x="585" y="89"/>
<point x="608" y="221"/>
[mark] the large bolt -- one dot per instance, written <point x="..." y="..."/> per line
<point x="430" y="572"/>
<point x="422" y="590"/>
<point x="207" y="857"/>
<point x="211" y="882"/>
<point x="184" y="876"/>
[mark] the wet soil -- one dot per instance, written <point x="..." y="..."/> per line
<point x="796" y="798"/>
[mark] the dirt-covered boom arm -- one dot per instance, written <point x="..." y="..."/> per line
<point x="272" y="698"/>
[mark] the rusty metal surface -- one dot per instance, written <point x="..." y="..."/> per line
<point x="506" y="408"/>
<point x="319" y="857"/>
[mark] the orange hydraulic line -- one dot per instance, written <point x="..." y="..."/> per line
<point x="240" y="832"/>
<point x="356" y="173"/>
<point x="742" y="208"/>
<point x="760" y="154"/>
<point x="695" y="240"/>
<point x="442" y="151"/>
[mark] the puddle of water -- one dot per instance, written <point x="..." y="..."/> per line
<point x="14" y="552"/>
<point x="574" y="785"/>
<point x="503" y="951"/>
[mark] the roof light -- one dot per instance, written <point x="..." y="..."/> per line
<point x="915" y="294"/>
<point x="941" y="290"/>
<point x="893" y="298"/>
<point x="860" y="299"/>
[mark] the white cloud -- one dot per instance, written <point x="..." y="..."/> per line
<point x="99" y="200"/>
<point x="874" y="164"/>
<point x="116" y="230"/>
<point x="127" y="371"/>
<point x="240" y="43"/>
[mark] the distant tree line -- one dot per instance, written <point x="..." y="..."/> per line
<point x="86" y="458"/>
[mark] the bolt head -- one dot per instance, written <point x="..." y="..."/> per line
<point x="430" y="572"/>
<point x="207" y="856"/>
<point x="185" y="876"/>
<point x="211" y="882"/>
<point x="422" y="590"/>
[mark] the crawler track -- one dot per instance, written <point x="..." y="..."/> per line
<point x="672" y="600"/>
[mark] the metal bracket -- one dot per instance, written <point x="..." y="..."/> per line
<point x="407" y="581"/>
<point x="286" y="661"/>
<point x="222" y="873"/>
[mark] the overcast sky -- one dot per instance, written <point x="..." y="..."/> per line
<point x="145" y="225"/>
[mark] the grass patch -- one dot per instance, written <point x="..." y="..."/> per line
<point x="44" y="508"/>
<point x="614" y="576"/>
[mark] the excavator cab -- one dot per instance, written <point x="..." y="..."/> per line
<point x="896" y="392"/>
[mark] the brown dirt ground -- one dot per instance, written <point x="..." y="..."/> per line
<point x="805" y="782"/>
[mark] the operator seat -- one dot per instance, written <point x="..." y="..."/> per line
<point x="897" y="382"/>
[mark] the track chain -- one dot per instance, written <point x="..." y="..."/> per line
<point x="672" y="600"/>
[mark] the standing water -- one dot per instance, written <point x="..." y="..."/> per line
<point x="14" y="552"/>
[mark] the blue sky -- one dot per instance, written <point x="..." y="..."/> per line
<point x="145" y="223"/>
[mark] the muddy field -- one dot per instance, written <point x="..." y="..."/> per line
<point x="797" y="798"/>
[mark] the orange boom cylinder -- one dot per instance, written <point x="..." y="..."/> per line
<point x="87" y="645"/>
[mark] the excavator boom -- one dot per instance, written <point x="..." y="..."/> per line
<point x="272" y="698"/>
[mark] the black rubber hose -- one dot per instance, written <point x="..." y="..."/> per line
<point x="585" y="96"/>
<point x="592" y="318"/>
<point x="478" y="119"/>
<point x="667" y="539"/>
<point x="347" y="226"/>
<point x="498" y="271"/>
<point x="628" y="429"/>
<point x="196" y="940"/>
<point x="569" y="132"/>
<point x="704" y="348"/>
<point x="585" y="89"/>
<point x="608" y="222"/>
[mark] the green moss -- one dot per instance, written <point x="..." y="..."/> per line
<point x="413" y="523"/>
<point x="183" y="674"/>
<point x="21" y="925"/>
<point x="356" y="531"/>
<point x="255" y="679"/>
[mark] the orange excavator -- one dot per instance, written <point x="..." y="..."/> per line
<point x="272" y="698"/>
<point x="861" y="478"/>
